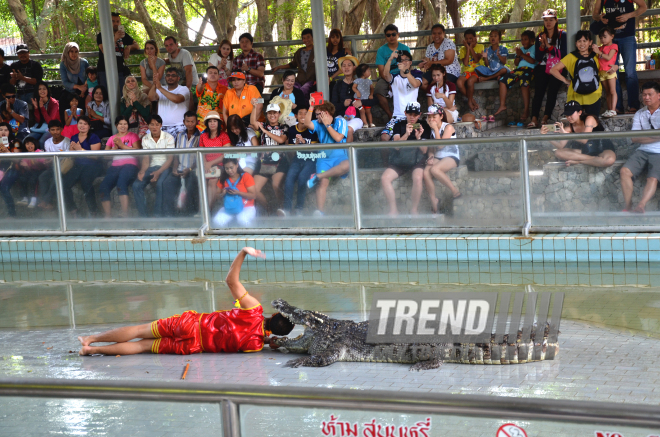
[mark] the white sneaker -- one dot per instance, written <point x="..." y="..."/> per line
<point x="33" y="203"/>
<point x="282" y="213"/>
<point x="23" y="201"/>
<point x="317" y="213"/>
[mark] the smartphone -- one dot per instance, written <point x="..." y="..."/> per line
<point x="260" y="100"/>
<point x="416" y="126"/>
<point x="204" y="78"/>
<point x="551" y="127"/>
<point x="317" y="98"/>
<point x="121" y="28"/>
<point x="5" y="141"/>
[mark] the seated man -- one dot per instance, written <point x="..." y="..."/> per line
<point x="405" y="88"/>
<point x="15" y="112"/>
<point x="242" y="329"/>
<point x="402" y="160"/>
<point x="648" y="154"/>
<point x="238" y="100"/>
<point x="173" y="101"/>
<point x="329" y="130"/>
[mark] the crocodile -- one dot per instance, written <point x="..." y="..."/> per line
<point x="329" y="340"/>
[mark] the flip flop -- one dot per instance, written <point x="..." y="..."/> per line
<point x="491" y="119"/>
<point x="512" y="124"/>
<point x="484" y="118"/>
<point x="532" y="125"/>
<point x="520" y="124"/>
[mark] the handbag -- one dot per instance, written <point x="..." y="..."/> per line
<point x="233" y="202"/>
<point x="553" y="59"/>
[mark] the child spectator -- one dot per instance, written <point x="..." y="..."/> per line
<point x="363" y="88"/>
<point x="525" y="63"/>
<point x="443" y="93"/>
<point x="242" y="136"/>
<point x="607" y="56"/>
<point x="26" y="172"/>
<point x="494" y="58"/>
<point x="303" y="165"/>
<point x="222" y="61"/>
<point x="239" y="192"/>
<point x="470" y="58"/>
<point x="56" y="143"/>
<point x="92" y="82"/>
<point x="98" y="112"/>
<point x="405" y="87"/>
<point x="582" y="65"/>
<point x="71" y="117"/>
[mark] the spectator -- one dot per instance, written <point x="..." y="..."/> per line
<point x="210" y="94"/>
<point x="71" y="117"/>
<point x="343" y="96"/>
<point x="72" y="70"/>
<point x="525" y="63"/>
<point x="494" y="67"/>
<point x="383" y="56"/>
<point x="124" y="43"/>
<point x="303" y="60"/>
<point x="442" y="158"/>
<point x="15" y="112"/>
<point x="582" y="65"/>
<point x="276" y="164"/>
<point x="599" y="153"/>
<point x="26" y="172"/>
<point x="250" y="63"/>
<point x="45" y="107"/>
<point x="647" y="156"/>
<point x="238" y="190"/>
<point x="239" y="99"/>
<point x="442" y="51"/>
<point x="135" y="106"/>
<point x="405" y="86"/>
<point x="153" y="168"/>
<point x="550" y="47"/>
<point x="470" y="57"/>
<point x="607" y="54"/>
<point x="290" y="92"/>
<point x="92" y="82"/>
<point x="173" y="101"/>
<point x="621" y="17"/>
<point x="98" y="112"/>
<point x="363" y="87"/>
<point x="5" y="70"/>
<point x="183" y="169"/>
<point x="335" y="50"/>
<point x="84" y="170"/>
<point x="329" y="129"/>
<point x="303" y="165"/>
<point x="151" y="64"/>
<point x="223" y="61"/>
<point x="403" y="160"/>
<point x="242" y="136"/>
<point x="25" y="74"/>
<point x="213" y="136"/>
<point x="56" y="143"/>
<point x="124" y="169"/>
<point x="183" y="62"/>
<point x="442" y="93"/>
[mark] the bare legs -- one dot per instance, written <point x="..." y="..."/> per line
<point x="260" y="181"/>
<point x="627" y="188"/>
<point x="503" y="91"/>
<point x="525" y="94"/>
<point x="439" y="170"/>
<point x="107" y="207"/>
<point x="649" y="191"/>
<point x="574" y="156"/>
<point x="382" y="101"/>
<point x="386" y="180"/>
<point x="324" y="181"/>
<point x="121" y="337"/>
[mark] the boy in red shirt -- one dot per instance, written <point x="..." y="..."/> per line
<point x="241" y="329"/>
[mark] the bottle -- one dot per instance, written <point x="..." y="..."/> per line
<point x="652" y="64"/>
<point x="647" y="57"/>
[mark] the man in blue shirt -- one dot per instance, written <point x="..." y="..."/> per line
<point x="382" y="87"/>
<point x="329" y="129"/>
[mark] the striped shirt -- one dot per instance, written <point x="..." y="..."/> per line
<point x="182" y="142"/>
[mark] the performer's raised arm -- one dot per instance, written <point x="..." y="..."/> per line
<point x="234" y="282"/>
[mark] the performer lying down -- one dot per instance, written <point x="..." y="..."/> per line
<point x="241" y="329"/>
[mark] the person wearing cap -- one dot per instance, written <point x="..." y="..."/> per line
<point x="405" y="88"/>
<point x="250" y="63"/>
<point x="240" y="99"/>
<point x="184" y="169"/>
<point x="303" y="60"/>
<point x="551" y="46"/>
<point x="25" y="73"/>
<point x="598" y="153"/>
<point x="441" y="51"/>
<point x="124" y="44"/>
<point x="647" y="156"/>
<point x="173" y="100"/>
<point x="214" y="135"/>
<point x="442" y="158"/>
<point x="343" y="96"/>
<point x="403" y="160"/>
<point x="384" y="56"/>
<point x="210" y="94"/>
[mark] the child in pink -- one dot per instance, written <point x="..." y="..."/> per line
<point x="607" y="54"/>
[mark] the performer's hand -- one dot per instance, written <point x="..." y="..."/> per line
<point x="254" y="252"/>
<point x="271" y="343"/>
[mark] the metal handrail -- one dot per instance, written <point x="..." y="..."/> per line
<point x="578" y="412"/>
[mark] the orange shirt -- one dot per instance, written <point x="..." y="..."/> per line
<point x="233" y="330"/>
<point x="241" y="104"/>
<point x="209" y="100"/>
<point x="246" y="181"/>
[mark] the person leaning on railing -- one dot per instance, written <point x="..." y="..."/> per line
<point x="303" y="60"/>
<point x="250" y="63"/>
<point x="72" y="70"/>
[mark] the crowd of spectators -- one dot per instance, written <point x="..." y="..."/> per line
<point x="172" y="106"/>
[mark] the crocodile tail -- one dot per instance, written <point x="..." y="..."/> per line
<point x="501" y="353"/>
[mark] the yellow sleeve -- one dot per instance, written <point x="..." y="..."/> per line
<point x="569" y="63"/>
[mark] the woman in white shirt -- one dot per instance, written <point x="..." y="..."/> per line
<point x="443" y="93"/>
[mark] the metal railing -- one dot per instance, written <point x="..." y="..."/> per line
<point x="231" y="398"/>
<point x="358" y="228"/>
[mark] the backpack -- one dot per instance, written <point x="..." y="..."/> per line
<point x="585" y="78"/>
<point x="233" y="202"/>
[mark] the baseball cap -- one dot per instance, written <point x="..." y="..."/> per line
<point x="572" y="107"/>
<point x="22" y="48"/>
<point x="550" y="13"/>
<point x="237" y="75"/>
<point x="405" y="53"/>
<point x="413" y="107"/>
<point x="273" y="107"/>
<point x="435" y="109"/>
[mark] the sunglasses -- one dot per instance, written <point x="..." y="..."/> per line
<point x="10" y="97"/>
<point x="390" y="35"/>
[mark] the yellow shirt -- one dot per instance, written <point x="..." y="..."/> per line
<point x="583" y="99"/>
<point x="479" y="48"/>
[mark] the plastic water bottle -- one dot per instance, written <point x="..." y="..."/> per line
<point x="652" y="64"/>
<point x="647" y="57"/>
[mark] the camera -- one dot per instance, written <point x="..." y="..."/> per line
<point x="416" y="126"/>
<point x="406" y="71"/>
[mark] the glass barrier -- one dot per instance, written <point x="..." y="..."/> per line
<point x="462" y="186"/>
<point x="278" y="191"/>
<point x="597" y="182"/>
<point x="29" y="192"/>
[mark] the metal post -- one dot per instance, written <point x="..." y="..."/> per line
<point x="230" y="419"/>
<point x="204" y="201"/>
<point x="320" y="57"/>
<point x="354" y="46"/>
<point x="69" y="297"/>
<point x="60" y="193"/>
<point x="527" y="202"/>
<point x="573" y="22"/>
<point x="352" y="158"/>
<point x="111" y="73"/>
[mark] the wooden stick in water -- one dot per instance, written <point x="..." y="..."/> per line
<point x="185" y="372"/>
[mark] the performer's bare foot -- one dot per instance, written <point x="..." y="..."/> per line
<point x="84" y="340"/>
<point x="85" y="350"/>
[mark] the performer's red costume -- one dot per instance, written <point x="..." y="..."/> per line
<point x="222" y="331"/>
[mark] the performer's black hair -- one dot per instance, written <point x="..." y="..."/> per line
<point x="280" y="325"/>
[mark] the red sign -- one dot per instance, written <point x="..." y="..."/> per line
<point x="510" y="430"/>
